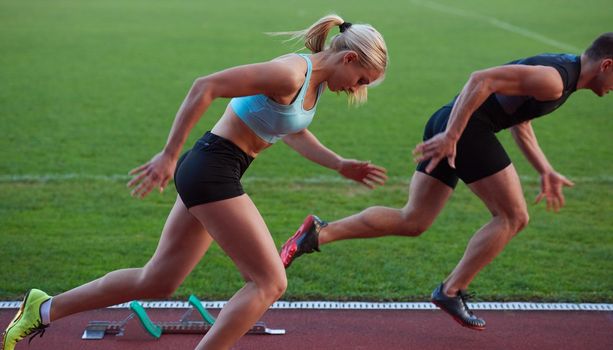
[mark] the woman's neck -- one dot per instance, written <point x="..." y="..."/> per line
<point x="323" y="66"/>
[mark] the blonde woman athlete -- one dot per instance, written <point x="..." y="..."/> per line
<point x="270" y="101"/>
<point x="460" y="143"/>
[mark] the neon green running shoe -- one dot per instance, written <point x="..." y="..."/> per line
<point x="28" y="320"/>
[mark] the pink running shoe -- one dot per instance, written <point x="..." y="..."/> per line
<point x="305" y="240"/>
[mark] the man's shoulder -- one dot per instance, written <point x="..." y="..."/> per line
<point x="546" y="59"/>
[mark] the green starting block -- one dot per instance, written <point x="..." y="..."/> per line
<point x="138" y="325"/>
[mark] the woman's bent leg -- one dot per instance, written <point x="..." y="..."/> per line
<point x="238" y="228"/>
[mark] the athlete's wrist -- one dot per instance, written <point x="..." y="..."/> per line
<point x="171" y="152"/>
<point x="546" y="170"/>
<point x="452" y="136"/>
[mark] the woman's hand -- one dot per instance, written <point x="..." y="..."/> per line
<point x="366" y="173"/>
<point x="439" y="147"/>
<point x="551" y="190"/>
<point x="156" y="173"/>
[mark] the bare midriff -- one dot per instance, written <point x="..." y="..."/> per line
<point x="232" y="128"/>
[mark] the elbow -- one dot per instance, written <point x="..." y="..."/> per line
<point x="480" y="81"/>
<point x="477" y="77"/>
<point x="201" y="89"/>
<point x="199" y="83"/>
<point x="522" y="132"/>
<point x="290" y="139"/>
<point x="516" y="133"/>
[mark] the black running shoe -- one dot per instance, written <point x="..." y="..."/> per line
<point x="457" y="308"/>
<point x="305" y="240"/>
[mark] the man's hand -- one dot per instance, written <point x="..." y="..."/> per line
<point x="551" y="189"/>
<point x="439" y="147"/>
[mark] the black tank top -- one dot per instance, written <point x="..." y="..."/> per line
<point x="504" y="111"/>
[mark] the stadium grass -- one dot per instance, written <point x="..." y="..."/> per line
<point x="91" y="88"/>
<point x="59" y="237"/>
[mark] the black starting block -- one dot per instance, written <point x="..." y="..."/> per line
<point x="138" y="325"/>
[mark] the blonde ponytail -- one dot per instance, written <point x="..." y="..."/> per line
<point x="315" y="36"/>
<point x="365" y="40"/>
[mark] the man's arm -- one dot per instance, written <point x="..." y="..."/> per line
<point x="524" y="136"/>
<point x="542" y="82"/>
<point x="551" y="181"/>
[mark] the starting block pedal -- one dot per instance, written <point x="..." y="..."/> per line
<point x="138" y="325"/>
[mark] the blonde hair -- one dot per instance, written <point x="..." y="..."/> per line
<point x="365" y="40"/>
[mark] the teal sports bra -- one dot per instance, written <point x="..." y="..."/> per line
<point x="271" y="120"/>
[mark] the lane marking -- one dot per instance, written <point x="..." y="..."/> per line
<point x="320" y="179"/>
<point x="359" y="305"/>
<point x="498" y="24"/>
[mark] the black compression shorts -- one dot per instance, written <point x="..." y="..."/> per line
<point x="479" y="154"/>
<point x="211" y="171"/>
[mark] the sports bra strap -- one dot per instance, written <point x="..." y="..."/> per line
<point x="307" y="78"/>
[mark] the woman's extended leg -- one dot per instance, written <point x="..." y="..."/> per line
<point x="238" y="228"/>
<point x="183" y="242"/>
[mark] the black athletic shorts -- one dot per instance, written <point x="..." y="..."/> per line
<point x="211" y="171"/>
<point x="479" y="154"/>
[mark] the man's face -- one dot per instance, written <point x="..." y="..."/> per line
<point x="603" y="83"/>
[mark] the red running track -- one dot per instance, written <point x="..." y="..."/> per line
<point x="357" y="329"/>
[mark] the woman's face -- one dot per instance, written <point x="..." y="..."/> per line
<point x="350" y="75"/>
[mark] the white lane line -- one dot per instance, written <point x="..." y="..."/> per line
<point x="54" y="177"/>
<point x="499" y="24"/>
<point x="360" y="305"/>
<point x="320" y="179"/>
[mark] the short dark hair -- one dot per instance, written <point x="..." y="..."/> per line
<point x="601" y="48"/>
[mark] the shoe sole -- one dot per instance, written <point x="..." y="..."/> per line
<point x="457" y="319"/>
<point x="291" y="247"/>
<point x="15" y="319"/>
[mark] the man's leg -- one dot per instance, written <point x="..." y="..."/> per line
<point x="427" y="197"/>
<point x="503" y="196"/>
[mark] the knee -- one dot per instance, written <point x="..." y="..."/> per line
<point x="412" y="230"/>
<point x="154" y="284"/>
<point x="412" y="226"/>
<point x="517" y="220"/>
<point x="521" y="220"/>
<point x="278" y="287"/>
<point x="272" y="288"/>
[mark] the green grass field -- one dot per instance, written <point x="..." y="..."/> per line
<point x="89" y="89"/>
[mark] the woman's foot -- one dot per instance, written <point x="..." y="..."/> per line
<point x="27" y="321"/>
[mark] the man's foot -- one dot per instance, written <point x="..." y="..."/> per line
<point x="305" y="240"/>
<point x="458" y="309"/>
<point x="27" y="321"/>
